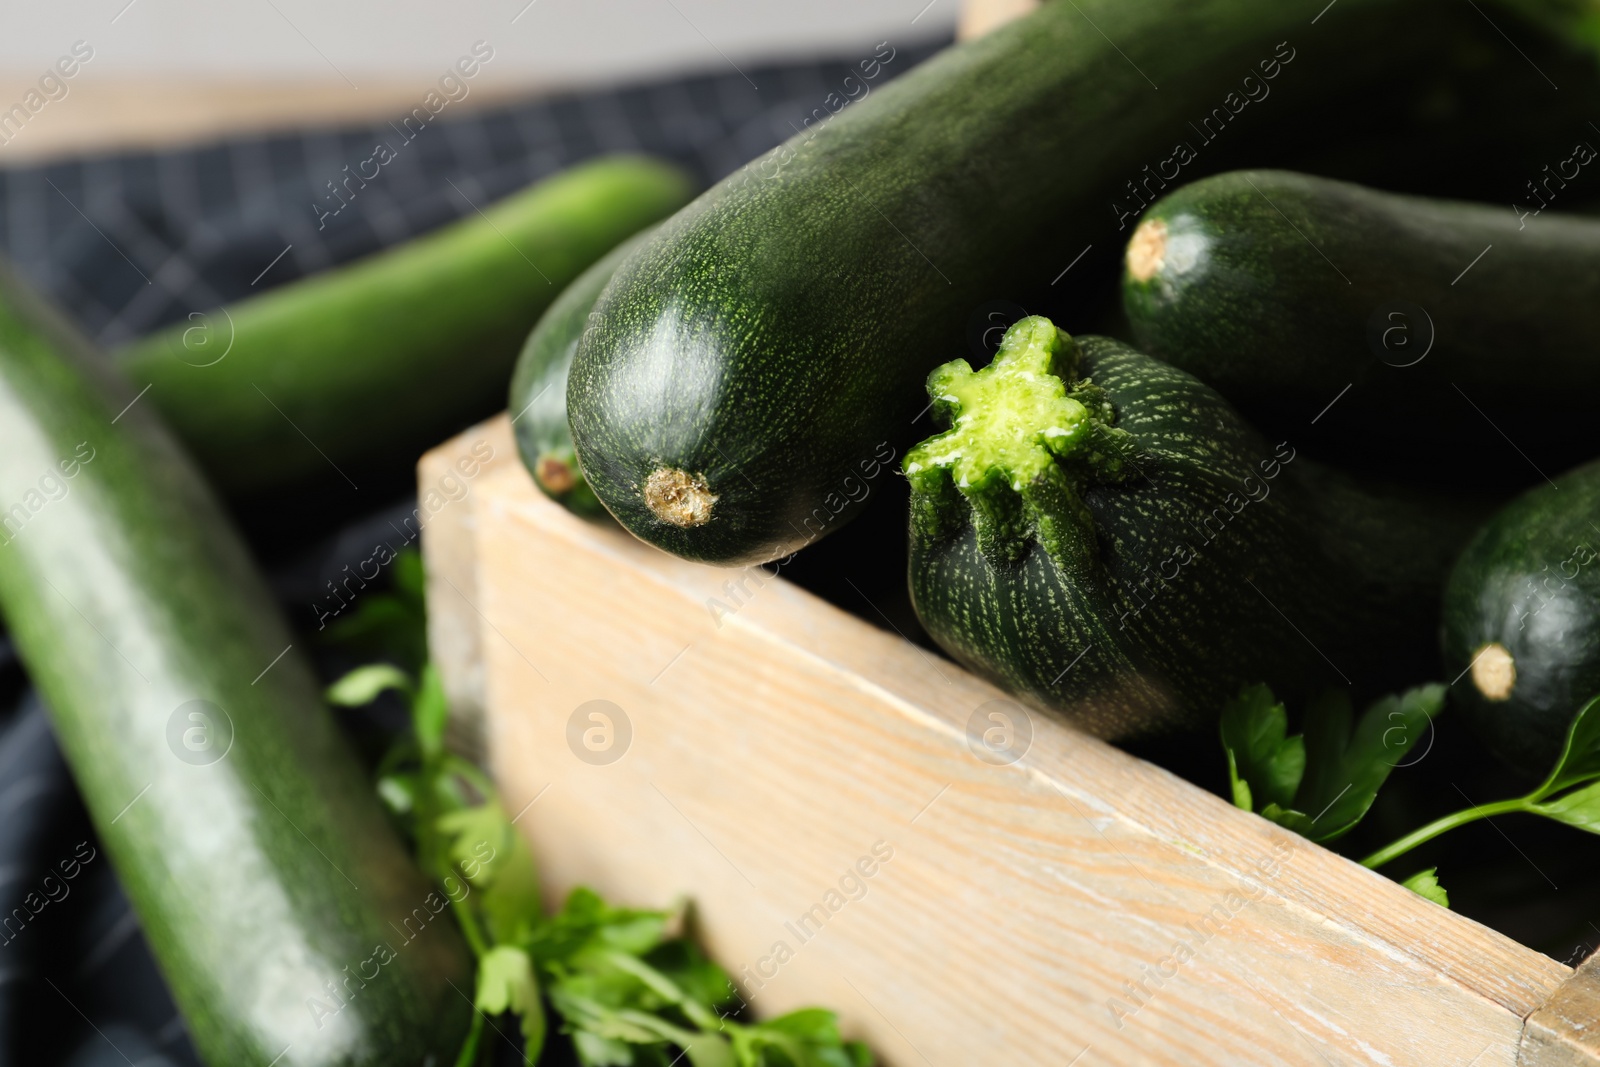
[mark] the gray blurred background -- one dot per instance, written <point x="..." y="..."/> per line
<point x="168" y="71"/>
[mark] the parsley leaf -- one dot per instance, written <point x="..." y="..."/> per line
<point x="1264" y="765"/>
<point x="1426" y="884"/>
<point x="390" y="624"/>
<point x="624" y="989"/>
<point x="1320" y="783"/>
<point x="506" y="983"/>
<point x="1345" y="769"/>
<point x="1577" y="766"/>
<point x="1580" y="755"/>
<point x="1580" y="808"/>
<point x="362" y="685"/>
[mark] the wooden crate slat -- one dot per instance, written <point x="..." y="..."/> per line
<point x="1565" y="1032"/>
<point x="771" y="752"/>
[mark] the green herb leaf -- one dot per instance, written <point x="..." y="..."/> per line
<point x="629" y="995"/>
<point x="474" y="838"/>
<point x="406" y="573"/>
<point x="506" y="983"/>
<point x="486" y="849"/>
<point x="1580" y="756"/>
<point x="1345" y="769"/>
<point x="429" y="713"/>
<point x="1580" y="808"/>
<point x="596" y="1051"/>
<point x="398" y="793"/>
<point x="362" y="685"/>
<point x="585" y="921"/>
<point x="805" y="1038"/>
<point x="1426" y="884"/>
<point x="688" y="968"/>
<point x="392" y="624"/>
<point x="1264" y="765"/>
<point x="1289" y="819"/>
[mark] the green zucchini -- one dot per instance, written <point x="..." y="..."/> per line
<point x="539" y="387"/>
<point x="290" y="923"/>
<point x="1522" y="620"/>
<point x="772" y="335"/>
<point x="1408" y="327"/>
<point x="375" y="361"/>
<point x="1103" y="534"/>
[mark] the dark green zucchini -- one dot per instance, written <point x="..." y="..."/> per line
<point x="1415" y="331"/>
<point x="539" y="387"/>
<point x="372" y="362"/>
<point x="1522" y="619"/>
<point x="772" y="335"/>
<point x="1101" y="533"/>
<point x="291" y="925"/>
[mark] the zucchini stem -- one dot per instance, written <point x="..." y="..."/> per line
<point x="1025" y="436"/>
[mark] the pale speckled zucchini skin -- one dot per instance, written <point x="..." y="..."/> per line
<point x="269" y="882"/>
<point x="1206" y="573"/>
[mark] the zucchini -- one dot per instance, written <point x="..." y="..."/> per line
<point x="282" y="907"/>
<point x="376" y="360"/>
<point x="1101" y="533"/>
<point x="539" y="387"/>
<point x="1522" y="620"/>
<point x="772" y="336"/>
<point x="1284" y="291"/>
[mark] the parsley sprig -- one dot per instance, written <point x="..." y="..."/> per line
<point x="1335" y="769"/>
<point x="1320" y="783"/>
<point x="625" y="988"/>
<point x="1569" y="794"/>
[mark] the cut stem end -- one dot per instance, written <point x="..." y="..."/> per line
<point x="1147" y="250"/>
<point x="679" y="498"/>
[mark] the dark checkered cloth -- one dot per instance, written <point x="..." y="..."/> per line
<point x="128" y="243"/>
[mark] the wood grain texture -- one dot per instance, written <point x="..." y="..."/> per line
<point x="1566" y="1031"/>
<point x="1075" y="899"/>
<point x="978" y="17"/>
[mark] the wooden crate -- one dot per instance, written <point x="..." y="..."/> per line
<point x="810" y="783"/>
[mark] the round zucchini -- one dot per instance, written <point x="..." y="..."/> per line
<point x="1104" y="535"/>
<point x="539" y="387"/>
<point x="1407" y="327"/>
<point x="282" y="907"/>
<point x="1522" y="620"/>
<point x="383" y="357"/>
